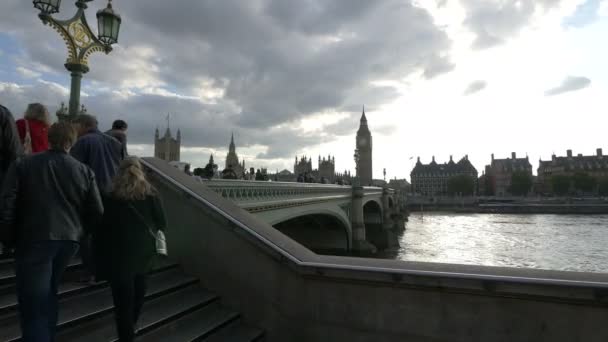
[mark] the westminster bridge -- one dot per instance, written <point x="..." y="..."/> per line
<point x="322" y="217"/>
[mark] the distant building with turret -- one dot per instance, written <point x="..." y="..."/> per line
<point x="499" y="173"/>
<point x="302" y="166"/>
<point x="232" y="160"/>
<point x="327" y="169"/>
<point x="432" y="179"/>
<point x="166" y="147"/>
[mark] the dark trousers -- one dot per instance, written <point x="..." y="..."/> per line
<point x="128" y="292"/>
<point x="86" y="253"/>
<point x="39" y="266"/>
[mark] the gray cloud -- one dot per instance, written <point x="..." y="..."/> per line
<point x="475" y="87"/>
<point x="493" y="23"/>
<point x="200" y="124"/>
<point x="272" y="62"/>
<point x="570" y="83"/>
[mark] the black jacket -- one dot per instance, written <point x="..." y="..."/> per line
<point x="49" y="196"/>
<point x="124" y="241"/>
<point x="10" y="145"/>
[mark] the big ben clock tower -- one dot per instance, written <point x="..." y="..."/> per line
<point x="364" y="146"/>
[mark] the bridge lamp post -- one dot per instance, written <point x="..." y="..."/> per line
<point x="80" y="40"/>
<point x="357" y="157"/>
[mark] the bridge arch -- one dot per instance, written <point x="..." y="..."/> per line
<point x="322" y="231"/>
<point x="373" y="219"/>
<point x="372" y="204"/>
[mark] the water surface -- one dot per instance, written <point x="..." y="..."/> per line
<point x="554" y="242"/>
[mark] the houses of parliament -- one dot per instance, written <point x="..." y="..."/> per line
<point x="168" y="147"/>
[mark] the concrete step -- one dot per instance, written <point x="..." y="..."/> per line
<point x="98" y="302"/>
<point x="68" y="288"/>
<point x="176" y="309"/>
<point x="7" y="270"/>
<point x="155" y="313"/>
<point x="236" y="331"/>
<point x="193" y="326"/>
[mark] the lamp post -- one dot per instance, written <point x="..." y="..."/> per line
<point x="357" y="157"/>
<point x="80" y="40"/>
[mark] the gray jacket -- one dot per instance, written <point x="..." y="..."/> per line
<point x="49" y="196"/>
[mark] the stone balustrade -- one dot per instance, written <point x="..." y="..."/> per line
<point x="245" y="193"/>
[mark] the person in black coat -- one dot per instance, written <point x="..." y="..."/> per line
<point x="48" y="201"/>
<point x="10" y="145"/>
<point x="125" y="242"/>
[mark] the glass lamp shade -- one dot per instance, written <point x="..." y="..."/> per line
<point x="47" y="6"/>
<point x="108" y="24"/>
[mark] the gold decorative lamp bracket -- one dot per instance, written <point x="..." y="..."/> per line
<point x="79" y="39"/>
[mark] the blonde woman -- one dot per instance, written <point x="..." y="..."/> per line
<point x="33" y="128"/>
<point x="125" y="243"/>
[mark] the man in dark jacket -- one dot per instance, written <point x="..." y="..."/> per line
<point x="101" y="152"/>
<point x="10" y="146"/>
<point x="48" y="199"/>
<point x="119" y="132"/>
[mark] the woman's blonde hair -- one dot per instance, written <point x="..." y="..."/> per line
<point x="37" y="111"/>
<point x="130" y="182"/>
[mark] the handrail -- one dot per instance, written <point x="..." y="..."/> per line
<point x="222" y="212"/>
<point x="391" y="271"/>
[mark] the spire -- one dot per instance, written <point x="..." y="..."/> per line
<point x="211" y="159"/>
<point x="156" y="133"/>
<point x="232" y="147"/>
<point x="168" y="131"/>
<point x="363" y="118"/>
<point x="179" y="135"/>
<point x="363" y="129"/>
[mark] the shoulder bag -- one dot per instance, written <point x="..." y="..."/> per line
<point x="159" y="236"/>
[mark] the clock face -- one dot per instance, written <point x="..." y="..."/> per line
<point x="362" y="142"/>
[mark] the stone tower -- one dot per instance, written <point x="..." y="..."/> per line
<point x="327" y="169"/>
<point x="304" y="165"/>
<point x="166" y="147"/>
<point x="364" y="146"/>
<point x="232" y="159"/>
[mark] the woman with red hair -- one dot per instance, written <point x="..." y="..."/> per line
<point x="33" y="129"/>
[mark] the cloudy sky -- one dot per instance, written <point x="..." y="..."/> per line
<point x="289" y="77"/>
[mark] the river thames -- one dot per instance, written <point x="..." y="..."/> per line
<point x="554" y="242"/>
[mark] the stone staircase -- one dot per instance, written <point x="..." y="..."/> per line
<point x="177" y="308"/>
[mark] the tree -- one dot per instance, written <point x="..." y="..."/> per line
<point x="521" y="183"/>
<point x="199" y="171"/>
<point x="461" y="184"/>
<point x="603" y="187"/>
<point x="209" y="171"/>
<point x="583" y="182"/>
<point x="560" y="184"/>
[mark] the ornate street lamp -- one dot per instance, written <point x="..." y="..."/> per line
<point x="80" y="40"/>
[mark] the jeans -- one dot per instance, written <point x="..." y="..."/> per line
<point x="39" y="266"/>
<point x="128" y="291"/>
